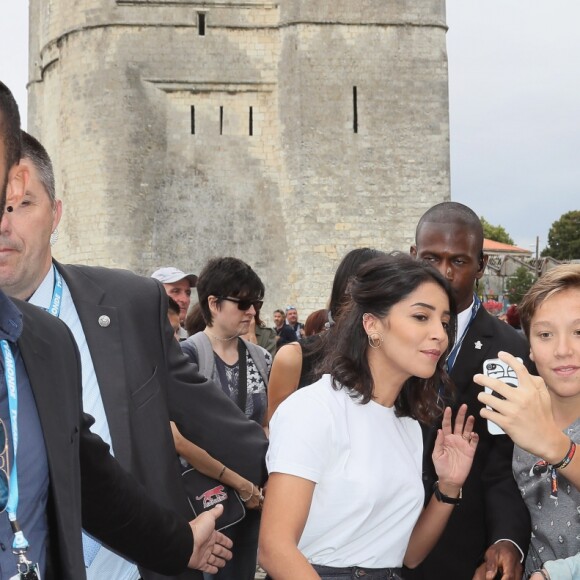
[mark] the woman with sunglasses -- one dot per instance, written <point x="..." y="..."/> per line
<point x="230" y="294"/>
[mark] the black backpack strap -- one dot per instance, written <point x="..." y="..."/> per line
<point x="243" y="376"/>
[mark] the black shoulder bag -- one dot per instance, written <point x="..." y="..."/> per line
<point x="205" y="492"/>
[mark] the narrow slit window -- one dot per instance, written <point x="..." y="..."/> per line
<point x="354" y="110"/>
<point x="221" y="120"/>
<point x="251" y="121"/>
<point x="192" y="119"/>
<point x="201" y="23"/>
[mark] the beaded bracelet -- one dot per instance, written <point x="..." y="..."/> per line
<point x="541" y="466"/>
<point x="567" y="458"/>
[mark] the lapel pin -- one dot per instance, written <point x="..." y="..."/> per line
<point x="478" y="345"/>
<point x="104" y="321"/>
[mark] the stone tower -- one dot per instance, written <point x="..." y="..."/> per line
<point x="282" y="132"/>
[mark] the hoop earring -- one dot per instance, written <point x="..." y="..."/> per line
<point x="375" y="339"/>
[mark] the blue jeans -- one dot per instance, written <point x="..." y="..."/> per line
<point x="354" y="573"/>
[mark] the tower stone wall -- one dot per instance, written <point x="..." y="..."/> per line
<point x="285" y="133"/>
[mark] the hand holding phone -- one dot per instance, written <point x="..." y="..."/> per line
<point x="497" y="369"/>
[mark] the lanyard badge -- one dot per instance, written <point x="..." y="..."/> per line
<point x="26" y="569"/>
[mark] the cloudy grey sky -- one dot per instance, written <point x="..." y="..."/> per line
<point x="514" y="81"/>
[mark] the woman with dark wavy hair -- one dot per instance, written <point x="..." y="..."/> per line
<point x="296" y="364"/>
<point x="345" y="494"/>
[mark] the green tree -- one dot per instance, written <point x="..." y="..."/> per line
<point x="496" y="233"/>
<point x="564" y="237"/>
<point x="518" y="284"/>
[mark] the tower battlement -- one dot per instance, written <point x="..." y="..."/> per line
<point x="284" y="133"/>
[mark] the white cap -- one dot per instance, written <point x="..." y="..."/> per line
<point x="169" y="275"/>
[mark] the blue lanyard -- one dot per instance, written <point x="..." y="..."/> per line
<point x="455" y="350"/>
<point x="56" y="300"/>
<point x="20" y="542"/>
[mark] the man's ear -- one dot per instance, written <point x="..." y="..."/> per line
<point x="57" y="214"/>
<point x="18" y="178"/>
<point x="481" y="265"/>
<point x="413" y="251"/>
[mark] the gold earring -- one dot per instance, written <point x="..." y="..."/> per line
<point x="375" y="339"/>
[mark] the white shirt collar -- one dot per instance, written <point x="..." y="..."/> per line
<point x="43" y="295"/>
<point x="463" y="319"/>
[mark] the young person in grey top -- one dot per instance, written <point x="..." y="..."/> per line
<point x="542" y="416"/>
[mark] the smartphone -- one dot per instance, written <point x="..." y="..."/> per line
<point x="497" y="369"/>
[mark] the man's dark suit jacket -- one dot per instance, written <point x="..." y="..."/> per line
<point x="492" y="507"/>
<point x="84" y="477"/>
<point x="286" y="334"/>
<point x="145" y="380"/>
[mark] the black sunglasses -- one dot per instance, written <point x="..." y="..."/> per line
<point x="4" y="477"/>
<point x="244" y="304"/>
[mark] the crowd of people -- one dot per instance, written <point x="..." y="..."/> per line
<point x="358" y="444"/>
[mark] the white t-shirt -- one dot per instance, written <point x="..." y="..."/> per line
<point x="366" y="464"/>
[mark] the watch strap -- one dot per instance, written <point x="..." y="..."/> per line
<point x="445" y="498"/>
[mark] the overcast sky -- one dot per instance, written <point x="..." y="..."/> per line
<point x="514" y="82"/>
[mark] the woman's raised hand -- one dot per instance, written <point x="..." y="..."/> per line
<point x="454" y="449"/>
